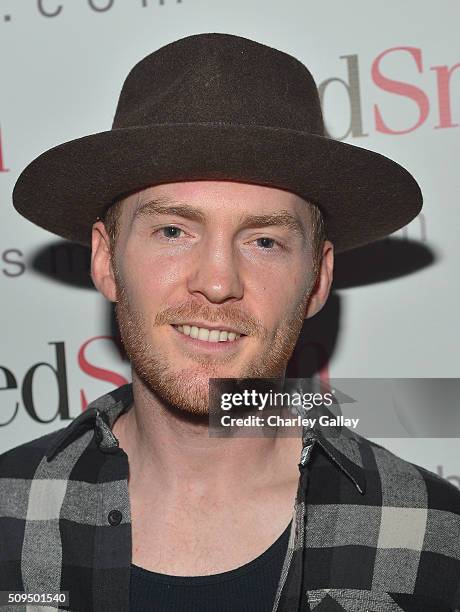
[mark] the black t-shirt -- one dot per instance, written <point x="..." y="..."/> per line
<point x="248" y="588"/>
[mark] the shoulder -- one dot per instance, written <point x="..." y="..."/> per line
<point x="408" y="484"/>
<point x="22" y="461"/>
<point x="18" y="469"/>
<point x="420" y="514"/>
<point x="412" y="516"/>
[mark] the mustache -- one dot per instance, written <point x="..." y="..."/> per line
<point x="227" y="315"/>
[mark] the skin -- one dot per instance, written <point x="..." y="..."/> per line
<point x="212" y="270"/>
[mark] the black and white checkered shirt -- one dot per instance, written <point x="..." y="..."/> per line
<point x="371" y="532"/>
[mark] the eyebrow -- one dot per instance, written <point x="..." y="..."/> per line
<point x="165" y="206"/>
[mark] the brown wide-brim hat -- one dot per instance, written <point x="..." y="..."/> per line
<point x="218" y="107"/>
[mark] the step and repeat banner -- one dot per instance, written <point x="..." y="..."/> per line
<point x="388" y="75"/>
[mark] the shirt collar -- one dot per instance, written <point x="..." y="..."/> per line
<point x="341" y="445"/>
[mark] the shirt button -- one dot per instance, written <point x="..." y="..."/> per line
<point x="114" y="517"/>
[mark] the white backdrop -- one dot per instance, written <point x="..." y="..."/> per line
<point x="387" y="72"/>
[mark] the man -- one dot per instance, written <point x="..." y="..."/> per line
<point x="213" y="208"/>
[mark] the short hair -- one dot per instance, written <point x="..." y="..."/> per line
<point x="112" y="215"/>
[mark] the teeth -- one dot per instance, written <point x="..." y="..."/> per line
<point x="214" y="335"/>
<point x="207" y="335"/>
<point x="203" y="334"/>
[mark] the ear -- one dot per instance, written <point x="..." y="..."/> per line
<point x="323" y="283"/>
<point x="101" y="263"/>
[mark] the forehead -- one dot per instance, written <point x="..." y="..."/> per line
<point x="221" y="196"/>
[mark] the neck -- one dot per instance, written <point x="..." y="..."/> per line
<point x="172" y="453"/>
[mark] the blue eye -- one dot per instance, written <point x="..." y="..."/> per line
<point x="172" y="232"/>
<point x="271" y="242"/>
<point x="167" y="233"/>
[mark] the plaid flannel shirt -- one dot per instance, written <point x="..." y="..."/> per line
<point x="371" y="531"/>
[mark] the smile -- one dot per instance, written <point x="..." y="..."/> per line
<point x="207" y="335"/>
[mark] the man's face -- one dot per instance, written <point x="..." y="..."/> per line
<point x="216" y="255"/>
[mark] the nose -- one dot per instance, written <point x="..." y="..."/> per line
<point x="214" y="271"/>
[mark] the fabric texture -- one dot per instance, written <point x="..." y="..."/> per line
<point x="370" y="531"/>
<point x="217" y="106"/>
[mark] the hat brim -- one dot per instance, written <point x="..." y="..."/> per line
<point x="363" y="195"/>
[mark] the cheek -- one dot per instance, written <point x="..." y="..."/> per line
<point x="271" y="298"/>
<point x="149" y="280"/>
<point x="278" y="301"/>
<point x="278" y="286"/>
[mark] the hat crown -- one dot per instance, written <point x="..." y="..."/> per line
<point x="218" y="107"/>
<point x="220" y="78"/>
